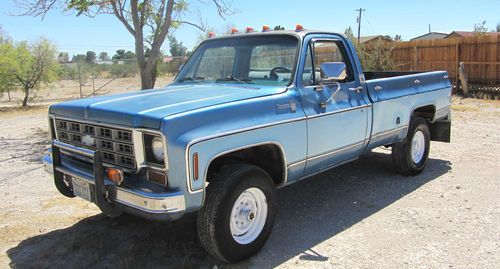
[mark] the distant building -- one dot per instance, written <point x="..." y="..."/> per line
<point x="430" y="36"/>
<point x="167" y="59"/>
<point x="460" y="34"/>
<point x="366" y="40"/>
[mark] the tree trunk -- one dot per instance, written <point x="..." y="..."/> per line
<point x="26" y="96"/>
<point x="148" y="78"/>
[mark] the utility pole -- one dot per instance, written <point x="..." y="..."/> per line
<point x="429" y="28"/>
<point x="359" y="21"/>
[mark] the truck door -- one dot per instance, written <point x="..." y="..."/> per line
<point x="337" y="114"/>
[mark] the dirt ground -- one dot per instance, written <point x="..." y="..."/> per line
<point x="361" y="215"/>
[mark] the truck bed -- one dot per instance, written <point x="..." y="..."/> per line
<point x="394" y="96"/>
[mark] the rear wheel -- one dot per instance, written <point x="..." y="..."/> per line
<point x="410" y="155"/>
<point x="238" y="214"/>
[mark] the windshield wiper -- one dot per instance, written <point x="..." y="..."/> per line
<point x="194" y="79"/>
<point x="229" y="78"/>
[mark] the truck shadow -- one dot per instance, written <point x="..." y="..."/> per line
<point x="311" y="211"/>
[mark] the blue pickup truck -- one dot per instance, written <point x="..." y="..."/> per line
<point x="247" y="114"/>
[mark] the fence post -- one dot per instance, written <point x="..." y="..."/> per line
<point x="80" y="79"/>
<point x="93" y="81"/>
<point x="463" y="79"/>
<point x="416" y="59"/>
<point x="457" y="62"/>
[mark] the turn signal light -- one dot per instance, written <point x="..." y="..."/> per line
<point x="249" y="30"/>
<point x="234" y="31"/>
<point x="115" y="175"/>
<point x="266" y="28"/>
<point x="158" y="177"/>
<point x="211" y="34"/>
<point x="299" y="27"/>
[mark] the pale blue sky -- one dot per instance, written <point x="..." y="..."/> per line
<point x="407" y="18"/>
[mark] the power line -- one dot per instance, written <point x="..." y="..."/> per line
<point x="359" y="22"/>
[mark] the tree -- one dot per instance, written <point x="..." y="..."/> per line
<point x="63" y="57"/>
<point x="103" y="56"/>
<point x="279" y="27"/>
<point x="480" y="28"/>
<point x="90" y="56"/>
<point x="30" y="65"/>
<point x="176" y="48"/>
<point x="123" y="55"/>
<point x="148" y="21"/>
<point x="78" y="58"/>
<point x="7" y="80"/>
<point x="498" y="27"/>
<point x="350" y="35"/>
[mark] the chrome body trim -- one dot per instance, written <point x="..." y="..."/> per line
<point x="282" y="151"/>
<point x="148" y="202"/>
<point x="137" y="140"/>
<point x="236" y="131"/>
<point x="321" y="155"/>
<point x="389" y="131"/>
<point x="339" y="111"/>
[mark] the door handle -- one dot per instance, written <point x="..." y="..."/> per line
<point x="357" y="89"/>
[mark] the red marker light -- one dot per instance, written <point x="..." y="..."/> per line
<point x="234" y="31"/>
<point x="265" y="28"/>
<point x="211" y="34"/>
<point x="249" y="30"/>
<point x="115" y="175"/>
<point x="299" y="27"/>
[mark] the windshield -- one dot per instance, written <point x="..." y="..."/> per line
<point x="264" y="60"/>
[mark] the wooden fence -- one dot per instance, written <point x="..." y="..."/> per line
<point x="480" y="55"/>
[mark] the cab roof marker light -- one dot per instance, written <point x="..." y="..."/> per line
<point x="211" y="34"/>
<point x="266" y="28"/>
<point x="234" y="31"/>
<point x="249" y="30"/>
<point x="299" y="28"/>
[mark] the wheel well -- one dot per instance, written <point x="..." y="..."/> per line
<point x="269" y="157"/>
<point x="427" y="112"/>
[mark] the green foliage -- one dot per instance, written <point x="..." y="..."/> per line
<point x="176" y="48"/>
<point x="480" y="28"/>
<point x="129" y="69"/>
<point x="123" y="55"/>
<point x="376" y="56"/>
<point x="498" y="27"/>
<point x="28" y="66"/>
<point x="90" y="56"/>
<point x="78" y="58"/>
<point x="279" y="27"/>
<point x="63" y="57"/>
<point x="103" y="56"/>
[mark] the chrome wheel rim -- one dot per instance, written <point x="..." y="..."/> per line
<point x="418" y="146"/>
<point x="248" y="216"/>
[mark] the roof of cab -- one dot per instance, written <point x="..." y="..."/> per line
<point x="299" y="34"/>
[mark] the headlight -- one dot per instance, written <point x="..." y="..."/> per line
<point x="154" y="148"/>
<point x="157" y="147"/>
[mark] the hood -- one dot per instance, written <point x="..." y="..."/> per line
<point x="146" y="108"/>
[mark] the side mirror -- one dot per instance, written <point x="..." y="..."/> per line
<point x="333" y="71"/>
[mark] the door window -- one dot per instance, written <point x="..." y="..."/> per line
<point x="319" y="52"/>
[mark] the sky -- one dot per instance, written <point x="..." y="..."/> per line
<point x="406" y="18"/>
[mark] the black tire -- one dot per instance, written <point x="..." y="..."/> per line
<point x="214" y="217"/>
<point x="401" y="152"/>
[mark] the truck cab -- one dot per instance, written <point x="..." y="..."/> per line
<point x="247" y="114"/>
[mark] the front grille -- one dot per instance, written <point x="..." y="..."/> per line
<point x="116" y="144"/>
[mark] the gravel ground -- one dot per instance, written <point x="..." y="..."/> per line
<point x="361" y="215"/>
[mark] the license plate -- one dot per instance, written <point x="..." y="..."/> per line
<point x="81" y="188"/>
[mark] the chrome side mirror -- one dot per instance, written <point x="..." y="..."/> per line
<point x="333" y="71"/>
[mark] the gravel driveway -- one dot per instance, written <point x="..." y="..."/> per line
<point x="361" y="215"/>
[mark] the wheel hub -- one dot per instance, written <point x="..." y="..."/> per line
<point x="418" y="147"/>
<point x="248" y="216"/>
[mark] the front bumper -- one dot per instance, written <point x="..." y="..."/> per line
<point x="165" y="206"/>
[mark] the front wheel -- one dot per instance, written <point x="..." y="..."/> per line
<point x="410" y="156"/>
<point x="238" y="214"/>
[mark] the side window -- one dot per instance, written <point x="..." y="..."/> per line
<point x="323" y="51"/>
